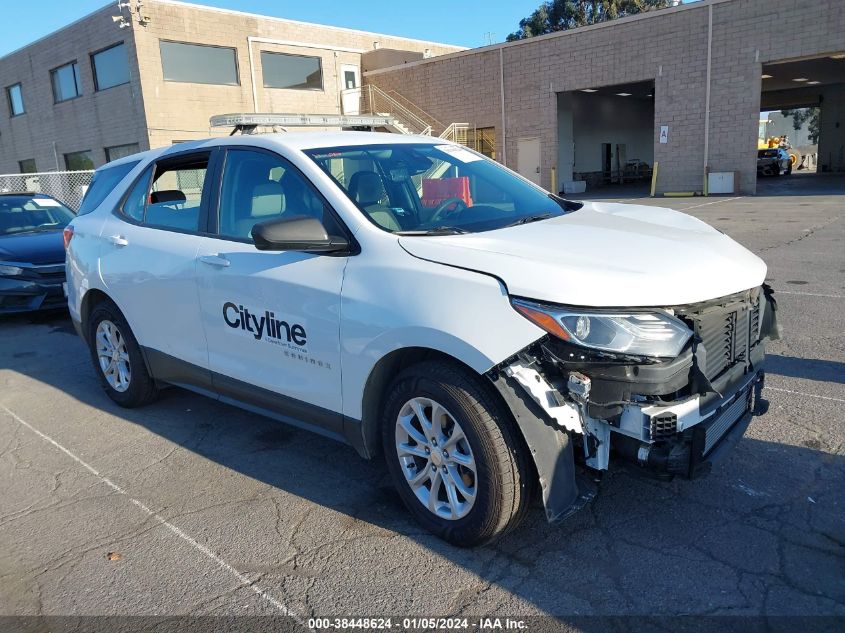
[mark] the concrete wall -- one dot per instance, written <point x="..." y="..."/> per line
<point x="386" y="57"/>
<point x="92" y="121"/>
<point x="465" y="88"/>
<point x="668" y="47"/>
<point x="832" y="129"/>
<point x="180" y="111"/>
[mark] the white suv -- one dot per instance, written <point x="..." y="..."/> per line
<point x="419" y="301"/>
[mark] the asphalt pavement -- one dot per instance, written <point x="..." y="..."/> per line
<point x="191" y="507"/>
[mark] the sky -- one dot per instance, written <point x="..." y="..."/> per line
<point x="460" y="22"/>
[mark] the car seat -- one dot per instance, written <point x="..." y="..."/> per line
<point x="367" y="189"/>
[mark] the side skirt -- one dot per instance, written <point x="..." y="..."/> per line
<point x="167" y="369"/>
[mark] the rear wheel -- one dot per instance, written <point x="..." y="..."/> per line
<point x="454" y="455"/>
<point x="117" y="358"/>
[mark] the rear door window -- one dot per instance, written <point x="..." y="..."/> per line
<point x="174" y="197"/>
<point x="104" y="182"/>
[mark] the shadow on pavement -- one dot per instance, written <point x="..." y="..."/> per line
<point x="807" y="368"/>
<point x="801" y="184"/>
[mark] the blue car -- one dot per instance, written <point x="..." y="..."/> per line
<point x="32" y="253"/>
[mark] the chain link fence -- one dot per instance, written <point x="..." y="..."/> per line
<point x="67" y="186"/>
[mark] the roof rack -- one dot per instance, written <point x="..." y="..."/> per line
<point x="247" y="123"/>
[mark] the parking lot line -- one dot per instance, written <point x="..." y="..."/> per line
<point x="704" y="204"/>
<point x="245" y="582"/>
<point x="805" y="394"/>
<point x="808" y="294"/>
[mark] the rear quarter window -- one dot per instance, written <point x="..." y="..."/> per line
<point x="104" y="182"/>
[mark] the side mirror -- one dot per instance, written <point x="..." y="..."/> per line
<point x="298" y="233"/>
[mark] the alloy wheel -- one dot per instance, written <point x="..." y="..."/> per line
<point x="436" y="458"/>
<point x="113" y="355"/>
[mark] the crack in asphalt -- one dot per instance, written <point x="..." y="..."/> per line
<point x="807" y="233"/>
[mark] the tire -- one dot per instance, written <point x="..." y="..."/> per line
<point x="501" y="483"/>
<point x="778" y="169"/>
<point x="133" y="387"/>
<point x="788" y="171"/>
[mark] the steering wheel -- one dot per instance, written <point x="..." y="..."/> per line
<point x="441" y="208"/>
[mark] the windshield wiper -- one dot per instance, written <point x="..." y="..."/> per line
<point x="528" y="219"/>
<point x="440" y="230"/>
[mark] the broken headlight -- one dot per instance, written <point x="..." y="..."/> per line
<point x="656" y="334"/>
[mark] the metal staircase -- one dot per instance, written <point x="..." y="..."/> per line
<point x="407" y="118"/>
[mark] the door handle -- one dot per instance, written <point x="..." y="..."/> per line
<point x="119" y="240"/>
<point x="215" y="260"/>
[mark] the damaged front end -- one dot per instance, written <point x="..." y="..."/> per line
<point x="671" y="415"/>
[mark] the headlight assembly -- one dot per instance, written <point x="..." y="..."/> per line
<point x="655" y="334"/>
<point x="10" y="271"/>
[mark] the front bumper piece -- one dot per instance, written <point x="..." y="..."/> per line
<point x="36" y="291"/>
<point x="690" y="448"/>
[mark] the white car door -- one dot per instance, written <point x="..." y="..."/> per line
<point x="148" y="265"/>
<point x="272" y="319"/>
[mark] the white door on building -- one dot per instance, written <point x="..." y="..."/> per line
<point x="528" y="158"/>
<point x="350" y="89"/>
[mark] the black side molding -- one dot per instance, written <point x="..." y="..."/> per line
<point x="564" y="492"/>
<point x="168" y="369"/>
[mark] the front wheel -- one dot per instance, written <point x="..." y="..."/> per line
<point x="456" y="459"/>
<point x="117" y="358"/>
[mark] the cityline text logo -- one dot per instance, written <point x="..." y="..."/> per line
<point x="238" y="317"/>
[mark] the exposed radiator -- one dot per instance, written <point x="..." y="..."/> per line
<point x="727" y="331"/>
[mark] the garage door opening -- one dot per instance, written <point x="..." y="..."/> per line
<point x="802" y="105"/>
<point x="796" y="131"/>
<point x="606" y="138"/>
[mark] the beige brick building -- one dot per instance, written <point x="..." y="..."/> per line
<point x="682" y="87"/>
<point x="585" y="102"/>
<point x="94" y="91"/>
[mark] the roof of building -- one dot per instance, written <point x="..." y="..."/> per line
<point x="202" y="7"/>
<point x="619" y="22"/>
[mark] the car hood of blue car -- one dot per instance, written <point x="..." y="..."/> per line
<point x="42" y="247"/>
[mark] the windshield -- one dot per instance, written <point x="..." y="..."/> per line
<point x="429" y="189"/>
<point x="32" y="214"/>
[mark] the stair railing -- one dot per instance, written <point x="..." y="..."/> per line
<point x="377" y="101"/>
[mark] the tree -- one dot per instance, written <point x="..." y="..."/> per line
<point x="560" y="15"/>
<point x="805" y="115"/>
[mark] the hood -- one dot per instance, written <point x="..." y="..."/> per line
<point x="604" y="255"/>
<point x="46" y="247"/>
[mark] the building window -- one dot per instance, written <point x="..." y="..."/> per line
<point x="119" y="151"/>
<point x="27" y="166"/>
<point x="350" y="79"/>
<point x="111" y="67"/>
<point x="15" y="99"/>
<point x="483" y="141"/>
<point x="78" y="161"/>
<point x="199" y="64"/>
<point x="294" y="72"/>
<point x="66" y="82"/>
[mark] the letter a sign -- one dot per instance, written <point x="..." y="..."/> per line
<point x="664" y="134"/>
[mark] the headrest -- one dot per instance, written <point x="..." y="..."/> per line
<point x="267" y="199"/>
<point x="167" y="195"/>
<point x="366" y="187"/>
